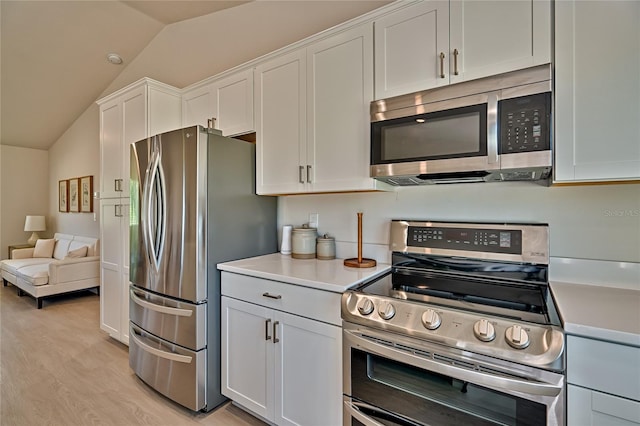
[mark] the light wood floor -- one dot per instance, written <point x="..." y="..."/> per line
<point x="58" y="368"/>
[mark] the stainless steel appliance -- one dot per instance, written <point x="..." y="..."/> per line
<point x="463" y="330"/>
<point x="491" y="129"/>
<point x="193" y="205"/>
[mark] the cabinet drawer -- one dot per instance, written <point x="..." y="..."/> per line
<point x="304" y="301"/>
<point x="604" y="366"/>
<point x="587" y="407"/>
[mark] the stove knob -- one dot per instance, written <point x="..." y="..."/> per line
<point x="386" y="310"/>
<point x="431" y="319"/>
<point x="484" y="330"/>
<point x="365" y="306"/>
<point x="516" y="337"/>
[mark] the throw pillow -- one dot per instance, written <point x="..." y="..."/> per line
<point x="44" y="248"/>
<point x="79" y="252"/>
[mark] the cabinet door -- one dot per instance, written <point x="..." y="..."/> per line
<point x="408" y="48"/>
<point x="197" y="107"/>
<point x="308" y="371"/>
<point x="597" y="80"/>
<point x="111" y="301"/>
<point x="280" y="107"/>
<point x="339" y="90"/>
<point x="247" y="356"/>
<point x="111" y="161"/>
<point x="492" y="37"/>
<point x="134" y="128"/>
<point x="233" y="103"/>
<point x="586" y="407"/>
<point x="123" y="211"/>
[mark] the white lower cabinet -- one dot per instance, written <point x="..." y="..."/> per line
<point x="282" y="367"/>
<point x="114" y="268"/>
<point x="603" y="383"/>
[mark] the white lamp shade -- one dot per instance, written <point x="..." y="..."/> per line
<point x="34" y="223"/>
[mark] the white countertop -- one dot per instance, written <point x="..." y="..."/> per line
<point x="328" y="275"/>
<point x="605" y="313"/>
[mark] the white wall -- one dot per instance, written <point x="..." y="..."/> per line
<point x="588" y="222"/>
<point x="76" y="154"/>
<point x="23" y="191"/>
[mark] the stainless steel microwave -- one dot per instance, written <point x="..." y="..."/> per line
<point x="492" y="129"/>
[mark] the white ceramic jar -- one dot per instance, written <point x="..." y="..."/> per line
<point x="326" y="247"/>
<point x="303" y="243"/>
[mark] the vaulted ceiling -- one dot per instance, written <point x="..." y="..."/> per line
<point x="53" y="57"/>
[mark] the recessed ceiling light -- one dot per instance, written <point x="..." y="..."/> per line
<point x="114" y="58"/>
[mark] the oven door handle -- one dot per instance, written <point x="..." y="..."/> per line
<point x="355" y="410"/>
<point x="471" y="376"/>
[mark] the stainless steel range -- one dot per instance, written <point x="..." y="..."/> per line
<point x="463" y="330"/>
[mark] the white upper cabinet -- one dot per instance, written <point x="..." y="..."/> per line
<point x="228" y="99"/>
<point x="493" y="37"/>
<point x="411" y="46"/>
<point x="435" y="43"/>
<point x="140" y="110"/>
<point x="312" y="117"/>
<point x="597" y="91"/>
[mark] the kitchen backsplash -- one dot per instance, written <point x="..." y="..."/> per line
<point x="599" y="222"/>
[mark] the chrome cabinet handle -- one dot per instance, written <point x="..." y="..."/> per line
<point x="300" y="174"/>
<point x="275" y="330"/>
<point x="266" y="329"/>
<point x="272" y="296"/>
<point x="441" y="65"/>
<point x="308" y="173"/>
<point x="117" y="210"/>
<point x="117" y="184"/>
<point x="455" y="61"/>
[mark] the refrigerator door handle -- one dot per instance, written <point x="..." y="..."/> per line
<point x="157" y="352"/>
<point x="158" y="308"/>
<point x="154" y="214"/>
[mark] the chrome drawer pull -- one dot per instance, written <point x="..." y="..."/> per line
<point x="272" y="296"/>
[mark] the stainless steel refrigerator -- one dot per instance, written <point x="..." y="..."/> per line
<point x="193" y="205"/>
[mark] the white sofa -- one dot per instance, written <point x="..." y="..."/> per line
<point x="41" y="276"/>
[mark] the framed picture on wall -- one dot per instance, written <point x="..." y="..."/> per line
<point x="86" y="194"/>
<point x="74" y="195"/>
<point x="63" y="196"/>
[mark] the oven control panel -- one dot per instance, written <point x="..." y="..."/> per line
<point x="523" y="342"/>
<point x="484" y="240"/>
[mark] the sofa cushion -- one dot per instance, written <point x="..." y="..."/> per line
<point x="14" y="265"/>
<point x="79" y="252"/>
<point x="44" y="248"/>
<point x="62" y="247"/>
<point x="35" y="274"/>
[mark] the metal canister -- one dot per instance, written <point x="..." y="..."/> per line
<point x="326" y="247"/>
<point x="303" y="243"/>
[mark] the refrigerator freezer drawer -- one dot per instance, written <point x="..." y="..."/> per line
<point x="179" y="322"/>
<point x="177" y="373"/>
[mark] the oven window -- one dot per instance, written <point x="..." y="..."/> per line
<point x="434" y="399"/>
<point x="461" y="132"/>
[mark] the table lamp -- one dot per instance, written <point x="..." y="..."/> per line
<point x="34" y="224"/>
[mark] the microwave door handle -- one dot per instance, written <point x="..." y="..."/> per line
<point x="492" y="130"/>
<point x="357" y="411"/>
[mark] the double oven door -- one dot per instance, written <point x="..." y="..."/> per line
<point x="393" y="380"/>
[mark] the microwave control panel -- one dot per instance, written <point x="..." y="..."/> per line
<point x="524" y="124"/>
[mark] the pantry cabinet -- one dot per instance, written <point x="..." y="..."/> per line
<point x="597" y="91"/>
<point x="603" y="385"/>
<point x="228" y="99"/>
<point x="312" y="116"/>
<point x="114" y="268"/>
<point x="435" y="43"/>
<point x="140" y="110"/>
<point x="276" y="363"/>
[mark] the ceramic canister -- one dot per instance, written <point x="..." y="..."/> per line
<point x="303" y="243"/>
<point x="326" y="247"/>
